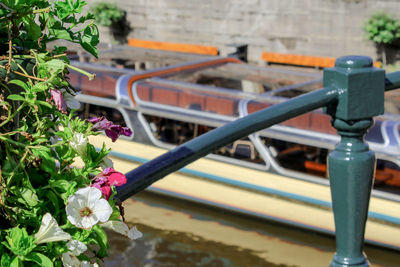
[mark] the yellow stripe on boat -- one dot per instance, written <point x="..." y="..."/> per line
<point x="254" y="203"/>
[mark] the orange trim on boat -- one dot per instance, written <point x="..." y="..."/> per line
<point x="302" y="60"/>
<point x="177" y="69"/>
<point x="175" y="47"/>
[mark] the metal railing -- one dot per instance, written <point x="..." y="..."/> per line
<point x="353" y="94"/>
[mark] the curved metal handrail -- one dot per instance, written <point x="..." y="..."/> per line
<point x="148" y="173"/>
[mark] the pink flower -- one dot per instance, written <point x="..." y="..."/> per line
<point x="113" y="131"/>
<point x="109" y="177"/>
<point x="57" y="97"/>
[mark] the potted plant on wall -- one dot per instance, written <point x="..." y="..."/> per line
<point x="112" y="21"/>
<point x="384" y="31"/>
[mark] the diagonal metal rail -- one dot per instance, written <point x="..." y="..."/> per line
<point x="152" y="171"/>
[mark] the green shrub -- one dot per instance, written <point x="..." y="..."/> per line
<point x="106" y="13"/>
<point x="381" y="28"/>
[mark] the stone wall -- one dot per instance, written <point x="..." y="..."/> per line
<point x="311" y="27"/>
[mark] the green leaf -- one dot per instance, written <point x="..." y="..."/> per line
<point x="48" y="163"/>
<point x="53" y="199"/>
<point x="16" y="262"/>
<point x="43" y="103"/>
<point x="20" y="84"/>
<point x="90" y="39"/>
<point x="32" y="29"/>
<point x="63" y="10"/>
<point x="19" y="242"/>
<point x="64" y="185"/>
<point x="27" y="196"/>
<point x="5" y="260"/>
<point x="101" y="238"/>
<point x="40" y="87"/>
<point x="40" y="259"/>
<point x="16" y="97"/>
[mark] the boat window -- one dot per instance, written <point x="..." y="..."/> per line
<point x="312" y="160"/>
<point x="178" y="132"/>
<point x="298" y="157"/>
<point x="249" y="79"/>
<point x="387" y="176"/>
<point x="374" y="134"/>
<point x="188" y="98"/>
<point x="103" y="85"/>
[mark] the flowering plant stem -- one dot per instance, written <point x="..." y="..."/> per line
<point x="51" y="212"/>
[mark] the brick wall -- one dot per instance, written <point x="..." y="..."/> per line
<point x="311" y="27"/>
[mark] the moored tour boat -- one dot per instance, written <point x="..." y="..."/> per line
<point x="277" y="174"/>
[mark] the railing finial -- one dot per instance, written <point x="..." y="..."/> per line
<point x="351" y="165"/>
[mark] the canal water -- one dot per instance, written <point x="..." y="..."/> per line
<point x="179" y="233"/>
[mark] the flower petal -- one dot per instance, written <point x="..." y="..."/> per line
<point x="93" y="195"/>
<point x="79" y="143"/>
<point x="49" y="231"/>
<point x="112" y="134"/>
<point x="134" y="233"/>
<point x="106" y="163"/>
<point x="117" y="179"/>
<point x="76" y="247"/>
<point x="70" y="260"/>
<point x="122" y="228"/>
<point x="71" y="101"/>
<point x="87" y="222"/>
<point x="102" y="210"/>
<point x="57" y="97"/>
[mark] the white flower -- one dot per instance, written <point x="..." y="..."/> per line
<point x="123" y="229"/>
<point x="79" y="142"/>
<point x="49" y="231"/>
<point x="76" y="247"/>
<point x="71" y="101"/>
<point x="86" y="208"/>
<point x="70" y="260"/>
<point x="106" y="163"/>
<point x="88" y="264"/>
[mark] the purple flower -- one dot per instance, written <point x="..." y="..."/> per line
<point x="112" y="130"/>
<point x="57" y="97"/>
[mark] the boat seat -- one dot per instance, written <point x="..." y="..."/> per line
<point x="302" y="60"/>
<point x="243" y="148"/>
<point x="175" y="47"/>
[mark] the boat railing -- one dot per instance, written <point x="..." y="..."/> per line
<point x="352" y="94"/>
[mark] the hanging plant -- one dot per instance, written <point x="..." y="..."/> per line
<point x="51" y="212"/>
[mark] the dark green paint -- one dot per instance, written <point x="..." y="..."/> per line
<point x="351" y="168"/>
<point x="351" y="165"/>
<point x="360" y="85"/>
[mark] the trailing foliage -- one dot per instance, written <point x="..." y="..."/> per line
<point x="52" y="213"/>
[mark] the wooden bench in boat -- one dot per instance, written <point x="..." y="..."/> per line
<point x="175" y="47"/>
<point x="301" y="60"/>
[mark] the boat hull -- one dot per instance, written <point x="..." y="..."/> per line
<point x="256" y="193"/>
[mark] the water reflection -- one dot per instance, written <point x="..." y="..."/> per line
<point x="178" y="233"/>
<point x="170" y="248"/>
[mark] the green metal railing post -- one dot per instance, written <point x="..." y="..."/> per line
<point x="351" y="165"/>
